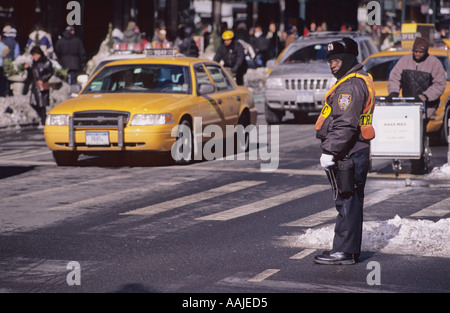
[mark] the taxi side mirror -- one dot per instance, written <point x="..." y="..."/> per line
<point x="204" y="89"/>
<point x="82" y="79"/>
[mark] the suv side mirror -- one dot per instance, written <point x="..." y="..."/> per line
<point x="271" y="63"/>
<point x="204" y="89"/>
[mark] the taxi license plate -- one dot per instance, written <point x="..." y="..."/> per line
<point x="97" y="139"/>
<point x="305" y="97"/>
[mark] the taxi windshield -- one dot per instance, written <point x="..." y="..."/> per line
<point x="141" y="78"/>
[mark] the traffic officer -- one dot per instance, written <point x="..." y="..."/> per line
<point x="345" y="130"/>
<point x="232" y="53"/>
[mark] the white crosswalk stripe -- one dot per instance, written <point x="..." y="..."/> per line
<point x="68" y="187"/>
<point x="436" y="210"/>
<point x="115" y="197"/>
<point x="194" y="198"/>
<point x="265" y="203"/>
<point x="329" y="214"/>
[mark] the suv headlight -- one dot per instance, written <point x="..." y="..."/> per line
<point x="57" y="120"/>
<point x="274" y="83"/>
<point x="152" y="119"/>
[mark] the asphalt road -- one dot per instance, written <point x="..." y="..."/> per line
<point x="222" y="226"/>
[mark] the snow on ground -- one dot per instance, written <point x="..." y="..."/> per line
<point x="396" y="236"/>
<point x="440" y="172"/>
<point x="15" y="111"/>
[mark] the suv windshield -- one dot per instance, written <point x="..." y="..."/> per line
<point x="380" y="68"/>
<point x="316" y="52"/>
<point x="141" y="78"/>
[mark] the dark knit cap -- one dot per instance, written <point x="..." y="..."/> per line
<point x="337" y="48"/>
<point x="421" y="43"/>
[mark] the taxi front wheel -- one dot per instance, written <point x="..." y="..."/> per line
<point x="183" y="149"/>
<point x="65" y="158"/>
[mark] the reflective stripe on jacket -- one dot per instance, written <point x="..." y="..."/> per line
<point x="345" y="122"/>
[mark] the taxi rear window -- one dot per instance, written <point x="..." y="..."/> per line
<point x="141" y="78"/>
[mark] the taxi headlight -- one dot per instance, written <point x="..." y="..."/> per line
<point x="274" y="83"/>
<point x="57" y="119"/>
<point x="152" y="119"/>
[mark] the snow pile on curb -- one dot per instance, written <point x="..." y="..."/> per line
<point x="440" y="172"/>
<point x="16" y="111"/>
<point x="396" y="236"/>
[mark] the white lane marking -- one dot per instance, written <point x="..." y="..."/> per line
<point x="310" y="172"/>
<point x="302" y="254"/>
<point x="292" y="286"/>
<point x="194" y="198"/>
<point x="331" y="213"/>
<point x="436" y="210"/>
<point x="115" y="197"/>
<point x="54" y="190"/>
<point x="264" y="204"/>
<point x="25" y="163"/>
<point x="263" y="275"/>
<point x="21" y="155"/>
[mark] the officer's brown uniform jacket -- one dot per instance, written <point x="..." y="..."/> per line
<point x="341" y="132"/>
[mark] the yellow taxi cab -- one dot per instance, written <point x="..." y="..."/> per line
<point x="380" y="64"/>
<point x="145" y="105"/>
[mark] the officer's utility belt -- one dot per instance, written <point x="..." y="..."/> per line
<point x="365" y="122"/>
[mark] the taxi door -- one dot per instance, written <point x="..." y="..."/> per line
<point x="226" y="95"/>
<point x="209" y="105"/>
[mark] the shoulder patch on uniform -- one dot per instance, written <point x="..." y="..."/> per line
<point x="344" y="101"/>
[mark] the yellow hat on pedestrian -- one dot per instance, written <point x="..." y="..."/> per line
<point x="227" y="35"/>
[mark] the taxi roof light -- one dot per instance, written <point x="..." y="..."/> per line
<point x="161" y="52"/>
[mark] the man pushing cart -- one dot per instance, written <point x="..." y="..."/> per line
<point x="421" y="79"/>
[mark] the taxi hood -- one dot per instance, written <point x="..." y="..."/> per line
<point x="139" y="102"/>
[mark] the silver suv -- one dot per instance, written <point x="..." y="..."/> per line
<point x="301" y="79"/>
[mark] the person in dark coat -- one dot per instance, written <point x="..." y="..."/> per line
<point x="38" y="76"/>
<point x="232" y="53"/>
<point x="345" y="130"/>
<point x="261" y="45"/>
<point x="71" y="54"/>
<point x="9" y="39"/>
<point x="185" y="43"/>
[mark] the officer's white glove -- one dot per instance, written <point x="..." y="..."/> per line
<point x="326" y="161"/>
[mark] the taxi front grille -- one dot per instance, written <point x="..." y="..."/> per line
<point x="306" y="84"/>
<point x="100" y="118"/>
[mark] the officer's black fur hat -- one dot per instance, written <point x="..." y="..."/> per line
<point x="337" y="48"/>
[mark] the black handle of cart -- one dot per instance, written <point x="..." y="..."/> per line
<point x="400" y="128"/>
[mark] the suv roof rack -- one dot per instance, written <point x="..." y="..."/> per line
<point x="333" y="34"/>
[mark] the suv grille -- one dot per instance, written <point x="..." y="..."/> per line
<point x="99" y="118"/>
<point x="306" y="84"/>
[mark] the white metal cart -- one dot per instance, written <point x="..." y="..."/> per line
<point x="400" y="133"/>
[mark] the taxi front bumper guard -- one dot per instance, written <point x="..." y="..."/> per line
<point x="76" y="123"/>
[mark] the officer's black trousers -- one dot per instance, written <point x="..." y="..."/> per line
<point x="349" y="222"/>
